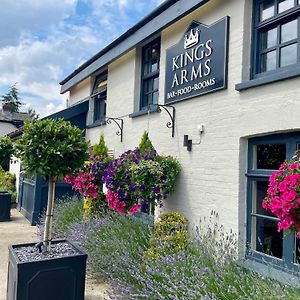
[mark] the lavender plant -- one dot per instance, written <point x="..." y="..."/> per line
<point x="205" y="270"/>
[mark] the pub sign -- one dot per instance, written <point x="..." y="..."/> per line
<point x="197" y="65"/>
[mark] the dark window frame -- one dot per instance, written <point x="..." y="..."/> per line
<point x="99" y="98"/>
<point x="259" y="26"/>
<point x="149" y="76"/>
<point x="292" y="141"/>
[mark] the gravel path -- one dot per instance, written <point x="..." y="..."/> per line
<point x="19" y="231"/>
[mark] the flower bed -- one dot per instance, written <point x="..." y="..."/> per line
<point x="206" y="269"/>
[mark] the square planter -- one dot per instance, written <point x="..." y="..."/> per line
<point x="60" y="278"/>
<point x="5" y="200"/>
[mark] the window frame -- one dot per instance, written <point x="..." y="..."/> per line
<point x="149" y="76"/>
<point x="257" y="28"/>
<point x="98" y="97"/>
<point x="292" y="141"/>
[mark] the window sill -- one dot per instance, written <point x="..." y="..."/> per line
<point x="268" y="78"/>
<point x="144" y="112"/>
<point x="268" y="270"/>
<point x="96" y="124"/>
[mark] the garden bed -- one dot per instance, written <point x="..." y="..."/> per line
<point x="207" y="269"/>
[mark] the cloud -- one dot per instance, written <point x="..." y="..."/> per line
<point x="23" y="16"/>
<point x="41" y="42"/>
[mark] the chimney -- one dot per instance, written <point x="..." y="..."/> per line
<point x="6" y="108"/>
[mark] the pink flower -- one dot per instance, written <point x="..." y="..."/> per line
<point x="120" y="207"/>
<point x="294" y="166"/>
<point x="134" y="209"/>
<point x="112" y="200"/>
<point x="285" y="224"/>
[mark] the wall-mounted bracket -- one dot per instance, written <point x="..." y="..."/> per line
<point x="119" y="122"/>
<point x="167" y="108"/>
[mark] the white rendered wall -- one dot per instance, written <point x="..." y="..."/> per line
<point x="80" y="91"/>
<point x="5" y="128"/>
<point x="213" y="174"/>
<point x="15" y="168"/>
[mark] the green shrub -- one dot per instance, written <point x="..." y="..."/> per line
<point x="100" y="149"/>
<point x="170" y="235"/>
<point x="8" y="184"/>
<point x="6" y="150"/>
<point x="145" y="145"/>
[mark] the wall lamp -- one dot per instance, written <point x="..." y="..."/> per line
<point x="189" y="142"/>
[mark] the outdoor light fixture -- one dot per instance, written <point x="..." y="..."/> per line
<point x="188" y="142"/>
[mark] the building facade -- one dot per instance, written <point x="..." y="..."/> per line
<point x="229" y="70"/>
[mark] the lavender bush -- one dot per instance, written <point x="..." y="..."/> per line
<point x="116" y="246"/>
<point x="206" y="270"/>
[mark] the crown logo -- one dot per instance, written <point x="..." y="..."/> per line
<point x="191" y="39"/>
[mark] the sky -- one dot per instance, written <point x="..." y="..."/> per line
<point x="41" y="42"/>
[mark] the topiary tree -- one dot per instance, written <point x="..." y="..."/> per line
<point x="100" y="149"/>
<point x="6" y="150"/>
<point x="53" y="149"/>
<point x="145" y="144"/>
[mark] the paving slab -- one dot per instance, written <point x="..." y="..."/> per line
<point x="18" y="231"/>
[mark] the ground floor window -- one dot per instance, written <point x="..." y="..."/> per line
<point x="264" y="242"/>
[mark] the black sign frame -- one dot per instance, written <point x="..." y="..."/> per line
<point x="218" y="78"/>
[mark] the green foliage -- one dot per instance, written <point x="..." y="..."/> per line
<point x="118" y="245"/>
<point x="170" y="235"/>
<point x="100" y="149"/>
<point x="68" y="211"/>
<point x="6" y="150"/>
<point x="8" y="184"/>
<point x="171" y="170"/>
<point x="51" y="148"/>
<point x="145" y="144"/>
<point x="12" y="97"/>
<point x="96" y="207"/>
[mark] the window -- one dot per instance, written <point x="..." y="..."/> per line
<point x="264" y="242"/>
<point x="150" y="74"/>
<point x="99" y="96"/>
<point x="276" y="36"/>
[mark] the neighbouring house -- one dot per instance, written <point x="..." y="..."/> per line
<point x="10" y="121"/>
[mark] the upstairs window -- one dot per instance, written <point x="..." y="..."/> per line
<point x="276" y="36"/>
<point x="150" y="74"/>
<point x="99" y="96"/>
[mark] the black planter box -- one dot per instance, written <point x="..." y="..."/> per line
<point x="50" y="279"/>
<point x="5" y="200"/>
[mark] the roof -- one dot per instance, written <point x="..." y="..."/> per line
<point x="164" y="15"/>
<point x="14" y="116"/>
<point x="68" y="113"/>
<point x="71" y="111"/>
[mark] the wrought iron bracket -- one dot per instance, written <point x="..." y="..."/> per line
<point x="119" y="122"/>
<point x="170" y="111"/>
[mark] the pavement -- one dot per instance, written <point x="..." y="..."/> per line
<point x="18" y="231"/>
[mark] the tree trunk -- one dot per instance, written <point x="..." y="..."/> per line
<point x="49" y="215"/>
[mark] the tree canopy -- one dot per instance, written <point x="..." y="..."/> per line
<point x="12" y="98"/>
<point x="51" y="148"/>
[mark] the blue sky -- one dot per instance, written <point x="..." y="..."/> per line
<point x="41" y="42"/>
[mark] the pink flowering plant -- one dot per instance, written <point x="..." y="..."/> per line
<point x="89" y="181"/>
<point x="283" y="197"/>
